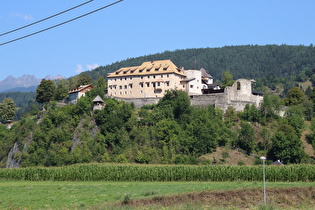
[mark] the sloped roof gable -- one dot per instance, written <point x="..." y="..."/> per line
<point x="149" y="67"/>
<point x="98" y="99"/>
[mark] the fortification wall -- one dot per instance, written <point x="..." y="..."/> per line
<point x="140" y="102"/>
<point x="209" y="99"/>
<point x="236" y="96"/>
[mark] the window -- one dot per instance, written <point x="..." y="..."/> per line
<point x="120" y="79"/>
<point x="110" y="87"/>
<point x="125" y="86"/>
<point x="148" y="77"/>
<point x="168" y="76"/>
<point x="148" y="84"/>
<point x="154" y="77"/>
<point x="158" y="84"/>
<point x="167" y="83"/>
<point x="120" y="87"/>
<point x="141" y="84"/>
<point x="161" y="76"/>
<point x="130" y="78"/>
<point x="238" y="86"/>
<point x="115" y="86"/>
<point x="191" y="86"/>
<point x="125" y="78"/>
<point x="130" y="86"/>
<point x="141" y="77"/>
<point x="153" y="83"/>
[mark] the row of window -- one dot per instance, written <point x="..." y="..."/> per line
<point x="129" y="92"/>
<point x="141" y="84"/>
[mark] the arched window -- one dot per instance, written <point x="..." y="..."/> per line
<point x="238" y="86"/>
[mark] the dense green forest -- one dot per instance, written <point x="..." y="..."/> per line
<point x="22" y="100"/>
<point x="250" y="61"/>
<point x="170" y="132"/>
<point x="50" y="133"/>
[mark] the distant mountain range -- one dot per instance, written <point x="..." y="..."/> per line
<point x="25" y="83"/>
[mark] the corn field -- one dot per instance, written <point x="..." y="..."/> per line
<point x="132" y="172"/>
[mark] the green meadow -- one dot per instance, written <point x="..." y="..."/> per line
<point x="99" y="195"/>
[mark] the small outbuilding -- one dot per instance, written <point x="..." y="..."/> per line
<point x="79" y="92"/>
<point x="277" y="163"/>
<point x="98" y="103"/>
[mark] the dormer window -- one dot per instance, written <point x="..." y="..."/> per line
<point x="141" y="70"/>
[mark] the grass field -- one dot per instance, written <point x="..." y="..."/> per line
<point x="99" y="195"/>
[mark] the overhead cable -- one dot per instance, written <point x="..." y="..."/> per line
<point x="54" y="26"/>
<point x="17" y="29"/>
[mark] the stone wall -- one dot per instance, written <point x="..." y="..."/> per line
<point x="139" y="102"/>
<point x="236" y="96"/>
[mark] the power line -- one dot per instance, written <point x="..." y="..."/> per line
<point x="80" y="5"/>
<point x="54" y="26"/>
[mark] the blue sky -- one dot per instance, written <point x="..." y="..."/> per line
<point x="134" y="28"/>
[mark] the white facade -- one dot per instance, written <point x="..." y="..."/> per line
<point x="151" y="79"/>
<point x="193" y="82"/>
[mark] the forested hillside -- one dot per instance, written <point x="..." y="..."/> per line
<point x="250" y="61"/>
<point x="22" y="100"/>
<point x="171" y="132"/>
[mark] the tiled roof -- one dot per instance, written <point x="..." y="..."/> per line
<point x="148" y="68"/>
<point x="98" y="99"/>
<point x="82" y="87"/>
<point x="187" y="80"/>
<point x="204" y="73"/>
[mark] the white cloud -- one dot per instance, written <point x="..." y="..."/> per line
<point x="79" y="69"/>
<point x="92" y="66"/>
<point x="89" y="67"/>
<point x="23" y="16"/>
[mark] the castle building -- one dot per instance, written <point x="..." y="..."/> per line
<point x="150" y="79"/>
<point x="193" y="82"/>
<point x="147" y="83"/>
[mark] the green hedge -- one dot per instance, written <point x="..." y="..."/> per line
<point x="132" y="172"/>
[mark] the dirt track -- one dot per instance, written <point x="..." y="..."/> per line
<point x="242" y="199"/>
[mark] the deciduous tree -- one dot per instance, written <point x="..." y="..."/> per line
<point x="7" y="110"/>
<point x="45" y="91"/>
